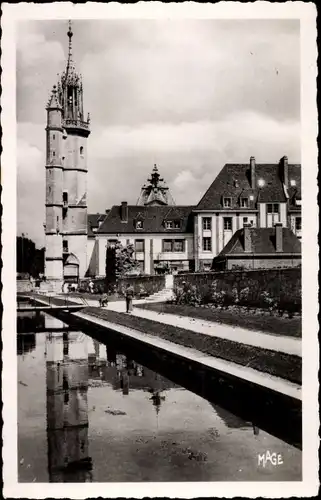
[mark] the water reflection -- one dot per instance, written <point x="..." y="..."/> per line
<point x="101" y="415"/>
<point x="67" y="410"/>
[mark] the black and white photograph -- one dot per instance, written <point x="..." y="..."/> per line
<point x="159" y="177"/>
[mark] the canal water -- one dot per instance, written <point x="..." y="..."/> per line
<point x="88" y="412"/>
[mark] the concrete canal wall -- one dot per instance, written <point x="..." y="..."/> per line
<point x="282" y="286"/>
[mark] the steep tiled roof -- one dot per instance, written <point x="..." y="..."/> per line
<point x="263" y="242"/>
<point x="294" y="191"/>
<point x="234" y="181"/>
<point x="93" y="221"/>
<point x="153" y="218"/>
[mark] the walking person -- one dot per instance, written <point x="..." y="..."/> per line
<point x="129" y="294"/>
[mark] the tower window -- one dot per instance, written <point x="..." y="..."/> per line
<point x="65" y="246"/>
<point x="53" y="153"/>
<point x="53" y="136"/>
<point x="81" y="150"/>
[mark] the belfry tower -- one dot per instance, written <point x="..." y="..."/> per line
<point x="66" y="177"/>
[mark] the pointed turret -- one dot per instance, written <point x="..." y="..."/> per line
<point x="156" y="191"/>
<point x="53" y="102"/>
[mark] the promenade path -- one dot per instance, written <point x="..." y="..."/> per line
<point x="278" y="343"/>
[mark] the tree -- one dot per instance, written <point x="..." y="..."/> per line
<point x="120" y="262"/>
<point x="29" y="258"/>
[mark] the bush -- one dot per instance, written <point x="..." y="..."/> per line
<point x="187" y="294"/>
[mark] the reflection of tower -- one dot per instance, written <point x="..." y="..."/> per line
<point x="67" y="410"/>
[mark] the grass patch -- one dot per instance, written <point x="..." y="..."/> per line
<point x="289" y="327"/>
<point x="275" y="363"/>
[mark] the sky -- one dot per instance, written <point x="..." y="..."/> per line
<point x="188" y="95"/>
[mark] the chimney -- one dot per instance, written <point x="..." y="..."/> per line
<point x="285" y="171"/>
<point x="279" y="237"/>
<point x="252" y="171"/>
<point x="124" y="211"/>
<point x="247" y="238"/>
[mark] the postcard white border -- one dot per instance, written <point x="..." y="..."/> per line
<point x="306" y="12"/>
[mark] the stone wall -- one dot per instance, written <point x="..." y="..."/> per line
<point x="281" y="285"/>
<point x="24" y="286"/>
<point x="151" y="284"/>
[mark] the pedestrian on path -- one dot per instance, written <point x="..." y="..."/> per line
<point x="103" y="301"/>
<point x="129" y="294"/>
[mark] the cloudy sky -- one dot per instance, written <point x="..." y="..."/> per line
<point x="187" y="95"/>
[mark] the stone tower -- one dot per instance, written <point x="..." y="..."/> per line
<point x="66" y="177"/>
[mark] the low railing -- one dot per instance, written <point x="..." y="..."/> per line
<point x="77" y="123"/>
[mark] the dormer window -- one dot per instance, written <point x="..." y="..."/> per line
<point x="292" y="182"/>
<point x="251" y="197"/>
<point x="139" y="224"/>
<point x="169" y="224"/>
<point x="227" y="202"/>
<point x="261" y="182"/>
<point x="244" y="202"/>
<point x="177" y="224"/>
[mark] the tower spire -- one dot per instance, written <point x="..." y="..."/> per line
<point x="70" y="35"/>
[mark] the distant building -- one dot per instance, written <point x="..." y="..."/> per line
<point x="259" y="194"/>
<point x="257" y="248"/>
